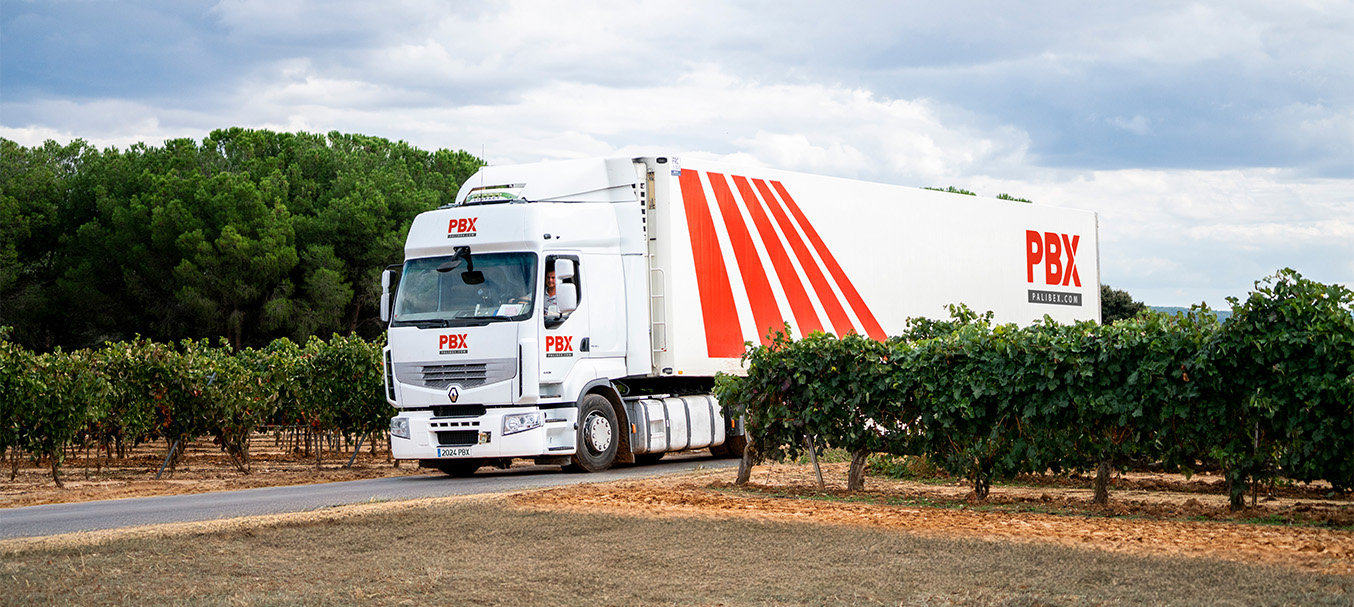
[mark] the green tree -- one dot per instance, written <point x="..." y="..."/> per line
<point x="1117" y="305"/>
<point x="43" y="194"/>
<point x="249" y="234"/>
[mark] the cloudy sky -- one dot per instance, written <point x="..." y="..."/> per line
<point x="1215" y="140"/>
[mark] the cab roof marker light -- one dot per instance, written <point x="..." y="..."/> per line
<point x="506" y="186"/>
<point x="495" y="194"/>
<point x="491" y="198"/>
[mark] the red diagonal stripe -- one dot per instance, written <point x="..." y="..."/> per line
<point x="723" y="337"/>
<point x="800" y="306"/>
<point x="872" y="327"/>
<point x="765" y="312"/>
<point x="835" y="312"/>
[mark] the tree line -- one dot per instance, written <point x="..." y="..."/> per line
<point x="249" y="234"/>
<point x="1268" y="393"/>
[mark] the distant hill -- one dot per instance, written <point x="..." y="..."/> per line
<point x="1222" y="314"/>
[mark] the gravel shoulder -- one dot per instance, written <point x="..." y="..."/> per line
<point x="1162" y="524"/>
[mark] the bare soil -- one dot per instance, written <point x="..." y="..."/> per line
<point x="1179" y="521"/>
<point x="1304" y="527"/>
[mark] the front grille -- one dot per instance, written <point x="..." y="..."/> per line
<point x="459" y="411"/>
<point x="458" y="438"/>
<point x="440" y="376"/>
<point x="469" y="375"/>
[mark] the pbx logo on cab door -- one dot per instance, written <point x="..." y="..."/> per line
<point x="462" y="228"/>
<point x="1057" y="253"/>
<point x="558" y="346"/>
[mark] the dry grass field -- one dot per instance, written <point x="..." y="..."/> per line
<point x="695" y="539"/>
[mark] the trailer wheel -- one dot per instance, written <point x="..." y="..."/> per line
<point x="459" y="468"/>
<point x="597" y="438"/>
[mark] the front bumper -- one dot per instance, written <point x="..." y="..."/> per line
<point x="482" y="437"/>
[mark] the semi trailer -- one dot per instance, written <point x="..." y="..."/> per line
<point x="577" y="312"/>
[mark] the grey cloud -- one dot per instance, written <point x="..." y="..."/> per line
<point x="89" y="49"/>
<point x="950" y="92"/>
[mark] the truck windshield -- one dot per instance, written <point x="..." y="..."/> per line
<point x="451" y="291"/>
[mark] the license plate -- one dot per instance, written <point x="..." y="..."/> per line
<point x="453" y="452"/>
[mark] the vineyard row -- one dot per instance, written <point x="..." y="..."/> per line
<point x="129" y="393"/>
<point x="1269" y="392"/>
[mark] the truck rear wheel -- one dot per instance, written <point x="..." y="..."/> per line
<point x="597" y="437"/>
<point x="459" y="468"/>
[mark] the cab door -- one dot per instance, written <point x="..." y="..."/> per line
<point x="563" y="334"/>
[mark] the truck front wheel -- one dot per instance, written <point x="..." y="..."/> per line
<point x="597" y="435"/>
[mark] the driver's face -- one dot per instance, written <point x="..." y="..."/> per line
<point x="549" y="281"/>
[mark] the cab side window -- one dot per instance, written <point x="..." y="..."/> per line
<point x="553" y="316"/>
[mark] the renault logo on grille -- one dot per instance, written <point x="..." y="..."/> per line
<point x="454" y="393"/>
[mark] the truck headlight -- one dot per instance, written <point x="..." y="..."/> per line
<point x="521" y="422"/>
<point x="399" y="427"/>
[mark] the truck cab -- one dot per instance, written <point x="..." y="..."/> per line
<point x="519" y="313"/>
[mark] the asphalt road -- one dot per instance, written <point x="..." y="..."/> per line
<point x="56" y="519"/>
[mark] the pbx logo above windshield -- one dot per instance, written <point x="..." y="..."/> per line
<point x="1057" y="253"/>
<point x="462" y="228"/>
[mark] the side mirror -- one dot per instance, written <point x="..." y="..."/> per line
<point x="564" y="269"/>
<point x="385" y="295"/>
<point x="566" y="295"/>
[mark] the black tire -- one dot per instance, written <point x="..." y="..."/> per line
<point x="733" y="447"/>
<point x="598" y="439"/>
<point x="459" y="468"/>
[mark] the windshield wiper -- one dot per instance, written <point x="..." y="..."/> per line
<point x="435" y="323"/>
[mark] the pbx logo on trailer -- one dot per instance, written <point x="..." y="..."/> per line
<point x="462" y="228"/>
<point x="452" y="343"/>
<point x="559" y="346"/>
<point x="1057" y="253"/>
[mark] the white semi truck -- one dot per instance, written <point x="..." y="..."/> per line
<point x="576" y="312"/>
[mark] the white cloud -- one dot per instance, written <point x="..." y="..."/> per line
<point x="295" y="84"/>
<point x="1138" y="124"/>
<point x="867" y="90"/>
<point x="102" y="122"/>
<point x="1184" y="33"/>
<point x="1184" y="236"/>
<point x="809" y="127"/>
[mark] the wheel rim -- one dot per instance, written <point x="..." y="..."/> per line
<point x="597" y="433"/>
